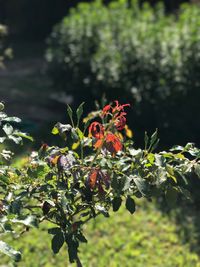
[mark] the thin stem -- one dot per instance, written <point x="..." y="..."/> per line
<point x="78" y="262"/>
<point x="82" y="151"/>
<point x="32" y="207"/>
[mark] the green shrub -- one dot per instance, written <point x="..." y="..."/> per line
<point x="4" y="52"/>
<point x="101" y="171"/>
<point x="133" y="53"/>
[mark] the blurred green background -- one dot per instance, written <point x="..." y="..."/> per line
<point x="147" y="238"/>
<point x="143" y="53"/>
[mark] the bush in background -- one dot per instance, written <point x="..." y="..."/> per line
<point x="137" y="54"/>
<point x="4" y="52"/>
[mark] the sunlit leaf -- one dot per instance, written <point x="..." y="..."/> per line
<point x="13" y="119"/>
<point x="8" y="129"/>
<point x="30" y="221"/>
<point x="8" y="250"/>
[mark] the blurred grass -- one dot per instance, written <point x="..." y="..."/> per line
<point x="147" y="238"/>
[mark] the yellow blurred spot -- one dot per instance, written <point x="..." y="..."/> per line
<point x="120" y="136"/>
<point x="55" y="160"/>
<point x="75" y="145"/>
<point x="85" y="120"/>
<point x="11" y="175"/>
<point x="128" y="132"/>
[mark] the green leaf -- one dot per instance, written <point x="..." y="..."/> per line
<point x="154" y="146"/>
<point x="79" y="112"/>
<point x="15" y="207"/>
<point x="70" y="112"/>
<point x="142" y="185"/>
<point x="8" y="129"/>
<point x="161" y="176"/>
<point x="60" y="128"/>
<point x="114" y="183"/>
<point x="72" y="248"/>
<point x="6" y="226"/>
<point x="135" y="152"/>
<point x="12" y="119"/>
<point x="160" y="160"/>
<point x="74" y="134"/>
<point x="8" y="250"/>
<point x="87" y="123"/>
<point x="116" y="203"/>
<point x="24" y="135"/>
<point x="175" y="148"/>
<point x="3" y="116"/>
<point x="30" y="221"/>
<point x="154" y="137"/>
<point x="54" y="230"/>
<point x="55" y="130"/>
<point x="146" y="140"/>
<point x="151" y="158"/>
<point x="102" y="210"/>
<point x="80" y="133"/>
<point x="154" y="141"/>
<point x="81" y="237"/>
<point x="197" y="169"/>
<point x="16" y="139"/>
<point x="2" y="139"/>
<point x="1" y="106"/>
<point x="130" y="204"/>
<point x="127" y="182"/>
<point x="4" y="179"/>
<point x="46" y="207"/>
<point x="57" y="242"/>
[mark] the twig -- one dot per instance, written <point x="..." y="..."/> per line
<point x="78" y="262"/>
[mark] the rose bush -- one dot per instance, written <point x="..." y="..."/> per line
<point x="97" y="169"/>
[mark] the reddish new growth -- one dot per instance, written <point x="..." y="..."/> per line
<point x="97" y="179"/>
<point x="96" y="130"/>
<point x="120" y="121"/>
<point x="118" y="114"/>
<point x="110" y="142"/>
<point x="104" y="137"/>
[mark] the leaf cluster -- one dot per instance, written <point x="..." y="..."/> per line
<point x="71" y="185"/>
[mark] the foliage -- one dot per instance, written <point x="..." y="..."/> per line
<point x="70" y="186"/>
<point x="8" y="203"/>
<point x="4" y="52"/>
<point x="134" y="53"/>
